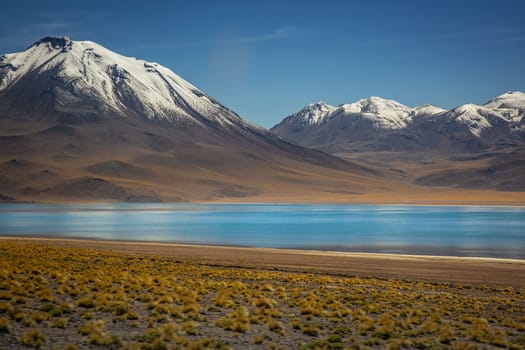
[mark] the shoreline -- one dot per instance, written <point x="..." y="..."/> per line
<point x="494" y="272"/>
<point x="360" y="251"/>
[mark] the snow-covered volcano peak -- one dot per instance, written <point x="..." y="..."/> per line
<point x="85" y="76"/>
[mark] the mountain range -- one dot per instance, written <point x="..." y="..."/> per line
<point x="470" y="146"/>
<point x="381" y="124"/>
<point x="79" y="122"/>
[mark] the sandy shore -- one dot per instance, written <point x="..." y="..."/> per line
<point x="476" y="271"/>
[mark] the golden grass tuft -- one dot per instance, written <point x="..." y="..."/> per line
<point x="97" y="335"/>
<point x="33" y="337"/>
<point x="236" y="321"/>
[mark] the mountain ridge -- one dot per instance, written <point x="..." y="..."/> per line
<point x="511" y="100"/>
<point x="386" y="115"/>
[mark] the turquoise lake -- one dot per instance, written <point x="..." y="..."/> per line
<point x="431" y="230"/>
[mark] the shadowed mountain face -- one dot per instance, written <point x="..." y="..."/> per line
<point x="80" y="122"/>
<point x="457" y="145"/>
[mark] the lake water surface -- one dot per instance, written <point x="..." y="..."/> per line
<point x="441" y="230"/>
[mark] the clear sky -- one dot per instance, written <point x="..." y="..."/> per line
<point x="267" y="59"/>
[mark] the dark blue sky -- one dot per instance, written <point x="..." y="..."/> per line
<point x="267" y="59"/>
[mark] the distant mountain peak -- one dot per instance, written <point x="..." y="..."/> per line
<point x="384" y="113"/>
<point x="375" y="104"/>
<point x="511" y="100"/>
<point x="313" y="113"/>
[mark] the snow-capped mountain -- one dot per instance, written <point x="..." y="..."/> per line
<point x="381" y="124"/>
<point x="86" y="78"/>
<point x="81" y="122"/>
